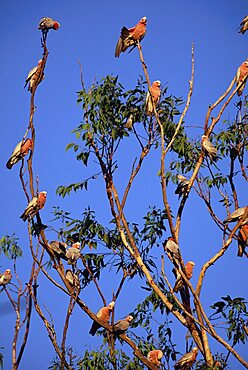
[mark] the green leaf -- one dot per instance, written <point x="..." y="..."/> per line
<point x="69" y="146"/>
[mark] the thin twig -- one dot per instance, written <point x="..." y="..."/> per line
<point x="191" y="84"/>
<point x="163" y="181"/>
<point x="50" y="330"/>
<point x="94" y="280"/>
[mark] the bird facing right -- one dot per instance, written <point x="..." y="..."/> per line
<point x="130" y="37"/>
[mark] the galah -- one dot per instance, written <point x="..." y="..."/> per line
<point x="242" y="73"/>
<point x="122" y="325"/>
<point x="217" y="366"/>
<point x="242" y="240"/>
<point x="130" y="37"/>
<point x="35" y="76"/>
<point x="72" y="278"/>
<point x="47" y="24"/>
<point x="129" y="122"/>
<point x="104" y="315"/>
<point x="186" y="362"/>
<point x="155" y="92"/>
<point x="172" y="248"/>
<point x="59" y="248"/>
<point x="21" y="149"/>
<point x="244" y="25"/>
<point x="189" y="269"/>
<point x="34" y="206"/>
<point x="209" y="148"/>
<point x="188" y="272"/>
<point x="5" y="277"/>
<point x="154" y="356"/>
<point x="183" y="186"/>
<point x="236" y="215"/>
<point x="73" y="253"/>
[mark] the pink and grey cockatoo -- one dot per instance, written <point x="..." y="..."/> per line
<point x="172" y="248"/>
<point x="236" y="215"/>
<point x="209" y="148"/>
<point x="47" y="24"/>
<point x="122" y="325"/>
<point x="130" y="36"/>
<point x="155" y="356"/>
<point x="34" y="206"/>
<point x="5" y="277"/>
<point x="21" y="149"/>
<point x="59" y="248"/>
<point x="244" y="25"/>
<point x="35" y="76"/>
<point x="129" y="122"/>
<point x="188" y="272"/>
<point x="242" y="72"/>
<point x="183" y="186"/>
<point x="242" y="240"/>
<point x="73" y="253"/>
<point x="217" y="366"/>
<point x="72" y="278"/>
<point x="186" y="362"/>
<point x="104" y="315"/>
<point x="155" y="92"/>
<point x="131" y="117"/>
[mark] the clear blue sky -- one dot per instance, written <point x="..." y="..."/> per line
<point x="89" y="32"/>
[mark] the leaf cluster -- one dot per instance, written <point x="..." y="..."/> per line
<point x="234" y="312"/>
<point x="9" y="246"/>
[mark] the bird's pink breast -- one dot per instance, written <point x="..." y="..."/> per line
<point x="139" y="31"/>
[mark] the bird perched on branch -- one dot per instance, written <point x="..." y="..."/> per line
<point x="244" y="25"/>
<point x="155" y="92"/>
<point x="172" y="248"/>
<point x="104" y="315"/>
<point x="129" y="122"/>
<point x="34" y="206"/>
<point x="242" y="240"/>
<point x="21" y="149"/>
<point x="59" y="248"/>
<point x="236" y="216"/>
<point x="122" y="325"/>
<point x="35" y="76"/>
<point x="47" y="24"/>
<point x="154" y="356"/>
<point x="217" y="366"/>
<point x="209" y="148"/>
<point x="5" y="277"/>
<point x="130" y="36"/>
<point x="179" y="280"/>
<point x="187" y="360"/>
<point x="183" y="186"/>
<point x="132" y="116"/>
<point x="72" y="278"/>
<point x="73" y="253"/>
<point x="242" y="73"/>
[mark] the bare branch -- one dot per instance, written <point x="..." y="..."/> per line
<point x="163" y="182"/>
<point x="94" y="280"/>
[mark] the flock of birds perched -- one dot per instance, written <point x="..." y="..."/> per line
<point x="129" y="38"/>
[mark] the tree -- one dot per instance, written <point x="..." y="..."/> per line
<point x="136" y="251"/>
